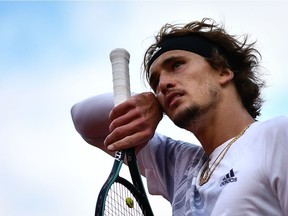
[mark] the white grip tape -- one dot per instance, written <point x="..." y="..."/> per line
<point x="121" y="79"/>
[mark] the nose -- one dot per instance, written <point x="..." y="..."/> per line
<point x="166" y="83"/>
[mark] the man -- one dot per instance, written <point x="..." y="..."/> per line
<point x="206" y="82"/>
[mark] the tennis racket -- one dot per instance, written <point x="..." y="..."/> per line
<point x="118" y="196"/>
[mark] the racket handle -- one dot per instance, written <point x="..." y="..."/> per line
<point x="121" y="79"/>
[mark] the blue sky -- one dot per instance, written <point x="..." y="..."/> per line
<point x="54" y="54"/>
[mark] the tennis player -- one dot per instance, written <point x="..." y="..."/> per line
<point x="209" y="83"/>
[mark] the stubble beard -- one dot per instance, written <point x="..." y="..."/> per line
<point x="192" y="114"/>
<point x="188" y="116"/>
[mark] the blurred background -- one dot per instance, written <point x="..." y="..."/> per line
<point x="54" y="54"/>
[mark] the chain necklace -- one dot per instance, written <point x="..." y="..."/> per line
<point x="208" y="171"/>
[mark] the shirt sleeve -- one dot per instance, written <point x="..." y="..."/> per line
<point x="165" y="162"/>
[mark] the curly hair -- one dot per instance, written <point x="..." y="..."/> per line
<point x="240" y="57"/>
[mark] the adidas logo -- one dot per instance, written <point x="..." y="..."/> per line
<point x="229" y="178"/>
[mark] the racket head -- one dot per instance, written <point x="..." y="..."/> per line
<point x="121" y="198"/>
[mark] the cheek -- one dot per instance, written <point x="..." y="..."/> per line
<point x="160" y="99"/>
<point x="200" y="90"/>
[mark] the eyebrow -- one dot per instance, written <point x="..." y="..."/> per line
<point x="170" y="59"/>
<point x="166" y="62"/>
<point x="152" y="76"/>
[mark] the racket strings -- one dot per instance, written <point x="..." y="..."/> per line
<point x="121" y="202"/>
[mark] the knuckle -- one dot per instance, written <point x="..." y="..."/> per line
<point x="117" y="132"/>
<point x="148" y="133"/>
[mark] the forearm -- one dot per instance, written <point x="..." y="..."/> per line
<point x="129" y="124"/>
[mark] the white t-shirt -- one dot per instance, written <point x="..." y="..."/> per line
<point x="252" y="178"/>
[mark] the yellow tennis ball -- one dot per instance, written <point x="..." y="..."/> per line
<point x="129" y="202"/>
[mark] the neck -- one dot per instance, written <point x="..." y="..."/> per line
<point x="212" y="132"/>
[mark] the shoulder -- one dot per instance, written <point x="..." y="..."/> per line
<point x="280" y="120"/>
<point x="166" y="144"/>
<point x="269" y="137"/>
<point x="272" y="135"/>
<point x="279" y="124"/>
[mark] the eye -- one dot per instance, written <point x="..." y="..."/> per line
<point x="177" y="64"/>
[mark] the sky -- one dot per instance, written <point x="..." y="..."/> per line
<point x="55" y="54"/>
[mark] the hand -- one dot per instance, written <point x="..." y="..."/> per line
<point x="133" y="122"/>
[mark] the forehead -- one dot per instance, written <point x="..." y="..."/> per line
<point x="167" y="55"/>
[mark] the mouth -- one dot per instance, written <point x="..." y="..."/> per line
<point x="172" y="98"/>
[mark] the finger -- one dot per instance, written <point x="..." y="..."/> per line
<point x="136" y="140"/>
<point x="122" y="108"/>
<point x="121" y="144"/>
<point x="138" y="131"/>
<point x="128" y="128"/>
<point x="126" y="119"/>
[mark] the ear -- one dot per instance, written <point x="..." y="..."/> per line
<point x="225" y="76"/>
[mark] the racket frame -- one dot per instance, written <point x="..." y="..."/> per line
<point x="121" y="86"/>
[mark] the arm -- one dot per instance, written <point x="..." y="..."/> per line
<point x="132" y="123"/>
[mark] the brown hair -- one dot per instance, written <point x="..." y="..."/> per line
<point x="239" y="56"/>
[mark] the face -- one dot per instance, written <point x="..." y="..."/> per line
<point x="186" y="86"/>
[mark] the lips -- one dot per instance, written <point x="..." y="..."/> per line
<point x="172" y="98"/>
